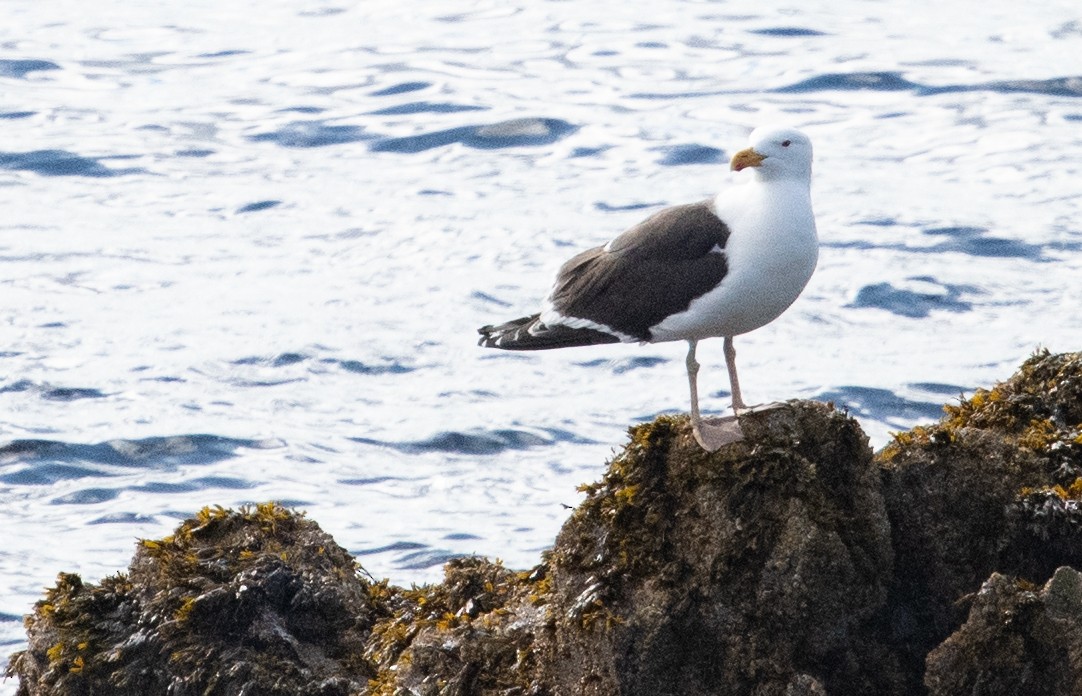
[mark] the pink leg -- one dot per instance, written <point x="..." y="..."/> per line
<point x="693" y="372"/>
<point x="714" y="435"/>
<point x="734" y="382"/>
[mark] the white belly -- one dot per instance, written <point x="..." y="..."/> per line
<point x="771" y="257"/>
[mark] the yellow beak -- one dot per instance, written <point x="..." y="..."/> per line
<point x="746" y="158"/>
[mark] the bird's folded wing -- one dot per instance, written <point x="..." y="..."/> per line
<point x="650" y="272"/>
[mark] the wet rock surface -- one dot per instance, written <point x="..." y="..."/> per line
<point x="794" y="563"/>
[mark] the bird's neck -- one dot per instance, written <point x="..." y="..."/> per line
<point x="769" y="177"/>
<point x="765" y="189"/>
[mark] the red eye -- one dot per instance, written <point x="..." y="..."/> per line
<point x="787" y="143"/>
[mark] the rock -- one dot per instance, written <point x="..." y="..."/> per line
<point x="1016" y="641"/>
<point x="993" y="487"/>
<point x="756" y="569"/>
<point x="793" y="563"/>
<point x="471" y="634"/>
<point x="259" y="601"/>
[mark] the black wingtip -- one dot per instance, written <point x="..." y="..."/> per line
<point x="528" y="333"/>
<point x="486" y="339"/>
<point x="493" y="336"/>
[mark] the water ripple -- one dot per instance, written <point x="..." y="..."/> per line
<point x="523" y="132"/>
<point x="424" y="107"/>
<point x="86" y="496"/>
<point x="480" y="442"/>
<point x="401" y="88"/>
<point x="396" y="546"/>
<point x="690" y="153"/>
<point x="1070" y="86"/>
<point x="620" y="366"/>
<point x="427" y="559"/>
<point x="20" y="68"/>
<point x="312" y="134"/>
<point x="411" y="554"/>
<point x="60" y="163"/>
<point x="880" y="81"/>
<point x="257" y="206"/>
<point x="361" y="368"/>
<point x="787" y="31"/>
<point x="52" y="393"/>
<point x="122" y="518"/>
<point x="197" y="484"/>
<point x="608" y="208"/>
<point x="923" y="297"/>
<point x="939" y="388"/>
<point x="880" y="404"/>
<point x="971" y="241"/>
<point x="1056" y="87"/>
<point x="279" y="360"/>
<point x="49" y="460"/>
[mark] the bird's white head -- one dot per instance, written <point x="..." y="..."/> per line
<point x="776" y="153"/>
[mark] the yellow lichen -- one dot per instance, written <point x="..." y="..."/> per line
<point x="626" y="495"/>
<point x="1038" y="435"/>
<point x="1071" y="492"/>
<point x="182" y="612"/>
<point x="917" y="437"/>
<point x="449" y="621"/>
<point x="55" y="653"/>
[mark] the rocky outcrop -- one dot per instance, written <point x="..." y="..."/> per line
<point x="792" y="563"/>
<point x="1019" y="640"/>
<point x="995" y="486"/>
<point x="760" y="569"/>
<point x="258" y="601"/>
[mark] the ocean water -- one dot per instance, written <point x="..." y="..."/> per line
<point x="245" y="247"/>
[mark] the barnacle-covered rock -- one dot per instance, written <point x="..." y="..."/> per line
<point x="1018" y="639"/>
<point x="471" y="634"/>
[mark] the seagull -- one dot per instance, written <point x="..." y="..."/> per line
<point x="717" y="268"/>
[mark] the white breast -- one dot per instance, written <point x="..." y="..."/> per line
<point x="771" y="253"/>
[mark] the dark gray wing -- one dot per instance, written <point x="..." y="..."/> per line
<point x="653" y="270"/>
